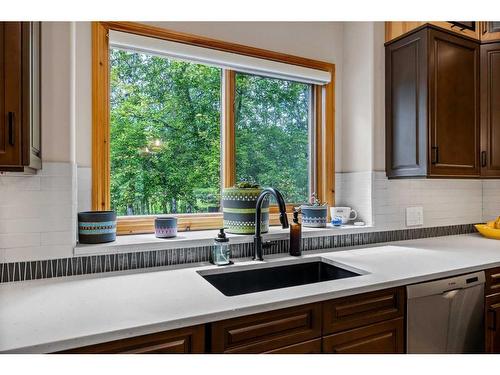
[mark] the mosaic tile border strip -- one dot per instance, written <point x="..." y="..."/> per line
<point x="86" y="265"/>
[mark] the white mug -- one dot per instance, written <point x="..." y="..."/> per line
<point x="344" y="213"/>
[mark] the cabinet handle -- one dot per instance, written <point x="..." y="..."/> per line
<point x="483" y="158"/>
<point x="11" y="128"/>
<point x="493" y="319"/>
<point x="436" y="154"/>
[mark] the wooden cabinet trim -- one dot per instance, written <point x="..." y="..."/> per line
<point x="395" y="31"/>
<point x="267" y="331"/>
<point x="359" y="310"/>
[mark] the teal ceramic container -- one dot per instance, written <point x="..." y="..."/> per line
<point x="238" y="207"/>
<point x="314" y="216"/>
<point x="96" y="227"/>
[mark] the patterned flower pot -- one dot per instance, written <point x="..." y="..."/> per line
<point x="96" y="227"/>
<point x="238" y="207"/>
<point x="165" y="227"/>
<point x="314" y="216"/>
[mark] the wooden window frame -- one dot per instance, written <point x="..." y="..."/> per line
<point x="324" y="122"/>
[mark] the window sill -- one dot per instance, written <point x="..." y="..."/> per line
<point x="148" y="242"/>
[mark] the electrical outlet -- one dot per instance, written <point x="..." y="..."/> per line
<point x="414" y="216"/>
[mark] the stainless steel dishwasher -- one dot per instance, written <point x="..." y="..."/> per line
<point x="446" y="316"/>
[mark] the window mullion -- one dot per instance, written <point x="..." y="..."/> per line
<point x="228" y="133"/>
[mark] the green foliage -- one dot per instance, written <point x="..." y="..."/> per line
<point x="272" y="140"/>
<point x="165" y="142"/>
<point x="165" y="135"/>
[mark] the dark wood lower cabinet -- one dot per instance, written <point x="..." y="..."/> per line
<point x="383" y="338"/>
<point x="178" y="341"/>
<point x="364" y="323"/>
<point x="492" y="324"/>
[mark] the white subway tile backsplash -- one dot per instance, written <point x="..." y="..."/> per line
<point x="19" y="240"/>
<point x="491" y="199"/>
<point x="38" y="212"/>
<point x="57" y="238"/>
<point x="445" y="202"/>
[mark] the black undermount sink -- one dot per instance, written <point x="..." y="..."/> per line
<point x="234" y="282"/>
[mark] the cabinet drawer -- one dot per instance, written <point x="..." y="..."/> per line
<point x="307" y="347"/>
<point x="359" y="310"/>
<point x="380" y="338"/>
<point x="183" y="340"/>
<point x="264" y="332"/>
<point x="492" y="281"/>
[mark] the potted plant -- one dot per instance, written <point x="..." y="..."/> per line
<point x="314" y="214"/>
<point x="238" y="207"/>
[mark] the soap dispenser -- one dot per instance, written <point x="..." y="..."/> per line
<point x="221" y="253"/>
<point x="295" y="235"/>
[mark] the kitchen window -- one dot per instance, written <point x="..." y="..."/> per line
<point x="176" y="118"/>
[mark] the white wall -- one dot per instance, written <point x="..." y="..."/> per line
<point x="357" y="97"/>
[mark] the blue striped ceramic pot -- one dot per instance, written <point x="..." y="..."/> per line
<point x="165" y="227"/>
<point x="238" y="207"/>
<point x="96" y="227"/>
<point x="314" y="216"/>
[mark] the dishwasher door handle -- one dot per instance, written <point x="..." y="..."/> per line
<point x="449" y="294"/>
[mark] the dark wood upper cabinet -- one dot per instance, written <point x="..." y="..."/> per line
<point x="490" y="110"/>
<point x="20" y="135"/>
<point x="432" y="105"/>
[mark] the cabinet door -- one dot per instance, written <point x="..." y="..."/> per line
<point x="360" y="310"/>
<point x="264" y="332"/>
<point x="306" y="347"/>
<point x="490" y="110"/>
<point x="380" y="338"/>
<point x="492" y="325"/>
<point x="406" y="106"/>
<point x="454" y="106"/>
<point x="10" y="94"/>
<point x="178" y="341"/>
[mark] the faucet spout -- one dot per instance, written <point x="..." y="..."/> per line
<point x="258" y="213"/>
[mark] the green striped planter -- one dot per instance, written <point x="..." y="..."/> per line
<point x="238" y="207"/>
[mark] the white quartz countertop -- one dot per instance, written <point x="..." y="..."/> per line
<point x="58" y="314"/>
